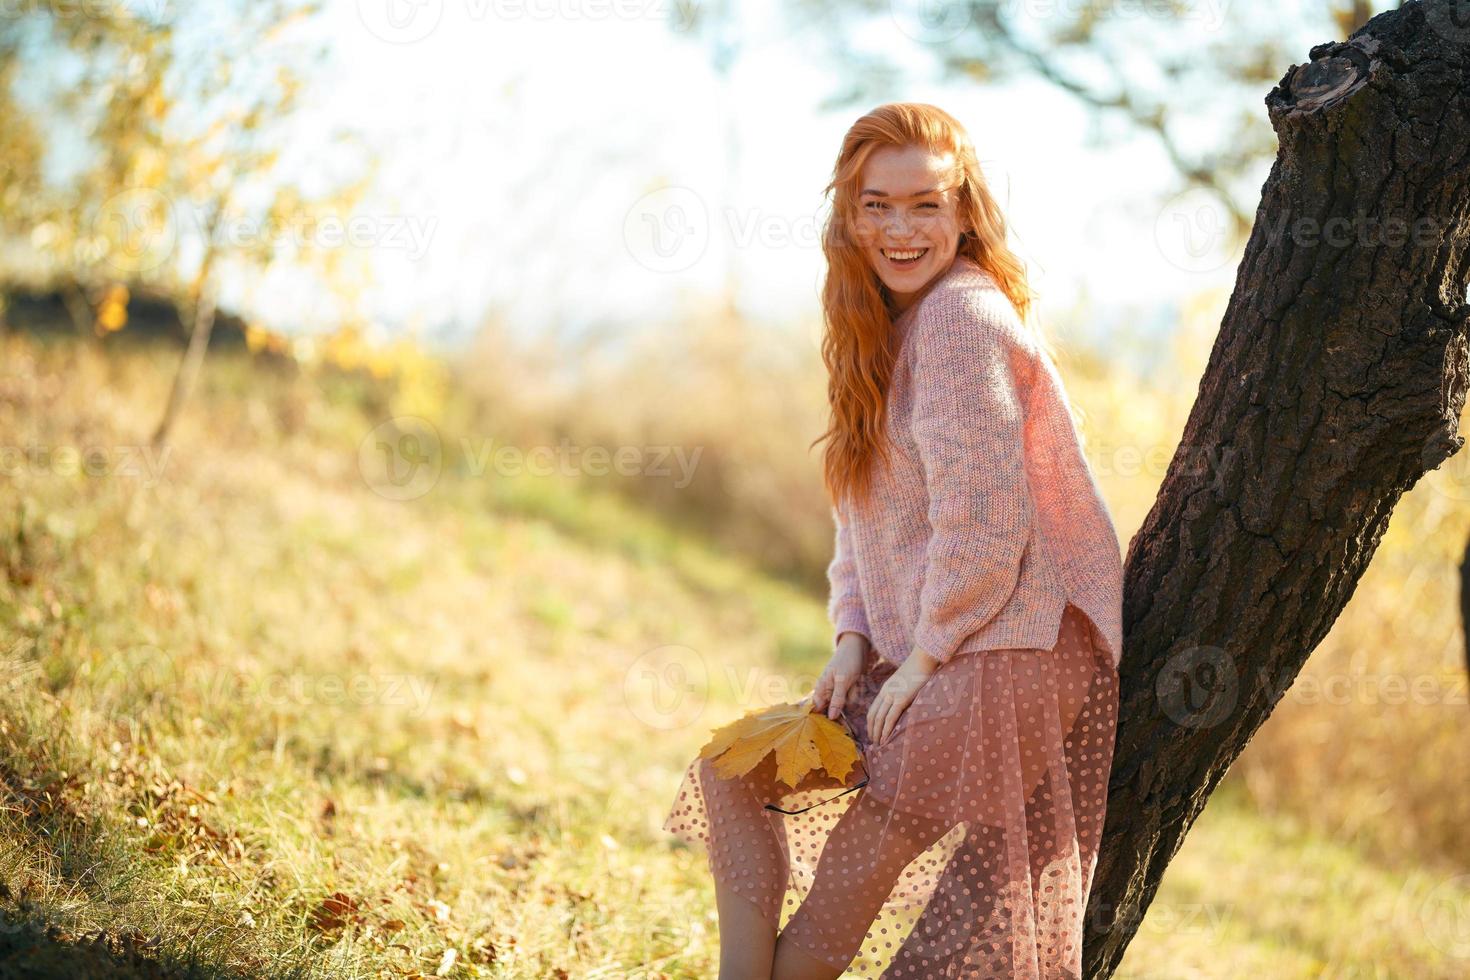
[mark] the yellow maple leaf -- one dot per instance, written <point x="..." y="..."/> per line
<point x="802" y="739"/>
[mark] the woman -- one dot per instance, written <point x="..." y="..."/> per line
<point x="976" y="605"/>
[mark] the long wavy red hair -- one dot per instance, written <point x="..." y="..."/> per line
<point x="858" y="344"/>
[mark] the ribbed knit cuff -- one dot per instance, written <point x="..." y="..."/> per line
<point x="941" y="647"/>
<point x="849" y="617"/>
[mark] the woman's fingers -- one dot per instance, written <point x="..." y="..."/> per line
<point x="839" y="697"/>
<point x="875" y="715"/>
<point x="883" y="715"/>
<point x="820" y="691"/>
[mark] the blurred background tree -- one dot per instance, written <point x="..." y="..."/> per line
<point x="184" y="112"/>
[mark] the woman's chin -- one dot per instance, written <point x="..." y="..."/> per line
<point x="906" y="280"/>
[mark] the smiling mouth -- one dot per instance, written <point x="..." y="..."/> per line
<point x="904" y="258"/>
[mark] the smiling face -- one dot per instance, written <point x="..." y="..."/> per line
<point x="908" y="222"/>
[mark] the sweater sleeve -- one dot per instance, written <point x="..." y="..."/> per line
<point x="968" y="423"/>
<point x="845" y="607"/>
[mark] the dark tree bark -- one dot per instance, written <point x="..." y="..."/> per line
<point x="1335" y="383"/>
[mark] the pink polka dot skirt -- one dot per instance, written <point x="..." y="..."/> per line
<point x="970" y="852"/>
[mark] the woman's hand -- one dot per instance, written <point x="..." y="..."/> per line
<point x="897" y="693"/>
<point x="842" y="670"/>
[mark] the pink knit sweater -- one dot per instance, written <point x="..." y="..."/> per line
<point x="988" y="521"/>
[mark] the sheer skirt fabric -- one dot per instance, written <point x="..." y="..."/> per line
<point x="971" y="851"/>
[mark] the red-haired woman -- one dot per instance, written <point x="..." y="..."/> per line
<point x="976" y="607"/>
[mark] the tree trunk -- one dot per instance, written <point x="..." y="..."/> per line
<point x="1336" y="381"/>
<point x="188" y="370"/>
<point x="79" y="308"/>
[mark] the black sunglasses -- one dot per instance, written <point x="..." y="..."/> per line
<point x="861" y="761"/>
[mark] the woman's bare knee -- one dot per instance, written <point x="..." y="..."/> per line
<point x="794" y="963"/>
<point x="747" y="937"/>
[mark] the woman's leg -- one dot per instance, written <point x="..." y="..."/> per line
<point x="1013" y="897"/>
<point x="749" y="868"/>
<point x="747" y="938"/>
<point x="868" y="849"/>
<point x="749" y="862"/>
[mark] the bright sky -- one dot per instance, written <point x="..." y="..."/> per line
<point x="568" y="162"/>
<point x="574" y="169"/>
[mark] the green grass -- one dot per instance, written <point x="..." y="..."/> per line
<point x="254" y="684"/>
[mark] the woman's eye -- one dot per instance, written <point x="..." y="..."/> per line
<point x="873" y="205"/>
<point x="929" y="204"/>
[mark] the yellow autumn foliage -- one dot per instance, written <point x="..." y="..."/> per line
<point x="112" y="311"/>
<point x="803" y="741"/>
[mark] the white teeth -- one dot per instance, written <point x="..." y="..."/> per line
<point x="902" y="256"/>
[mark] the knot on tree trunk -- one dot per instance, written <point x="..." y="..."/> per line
<point x="1327" y="78"/>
